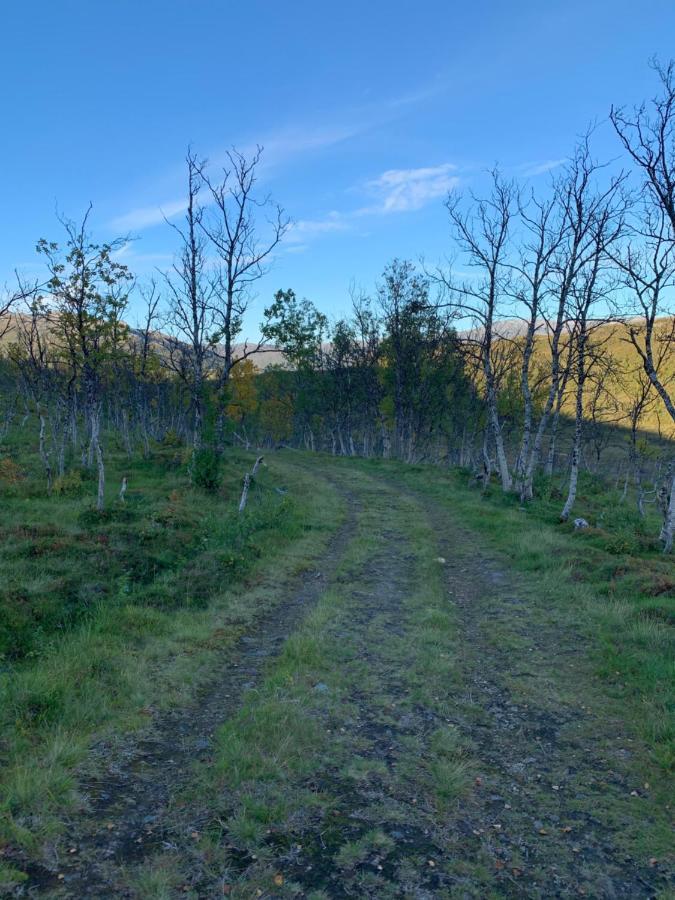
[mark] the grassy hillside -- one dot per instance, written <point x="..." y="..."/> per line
<point x="622" y="383"/>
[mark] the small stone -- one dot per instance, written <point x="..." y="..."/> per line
<point x="321" y="687"/>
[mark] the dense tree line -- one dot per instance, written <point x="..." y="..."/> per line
<point x="475" y="369"/>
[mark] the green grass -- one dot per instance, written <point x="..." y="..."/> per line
<point x="109" y="616"/>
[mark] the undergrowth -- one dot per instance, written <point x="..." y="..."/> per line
<point x="107" y="616"/>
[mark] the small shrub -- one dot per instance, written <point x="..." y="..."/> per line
<point x="206" y="469"/>
<point x="622" y="542"/>
<point x="171" y="439"/>
<point x="69" y="485"/>
<point x="10" y="473"/>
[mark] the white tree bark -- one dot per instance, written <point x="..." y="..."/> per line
<point x="669" y="519"/>
<point x="100" y="464"/>
<point x="248" y="478"/>
<point x="244" y="493"/>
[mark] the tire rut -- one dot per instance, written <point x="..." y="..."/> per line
<point x="123" y="822"/>
<point x="309" y="849"/>
<point x="540" y="811"/>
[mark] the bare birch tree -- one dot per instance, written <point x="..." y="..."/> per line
<point x="190" y="316"/>
<point x="592" y="286"/>
<point x="482" y="235"/>
<point x="580" y="205"/>
<point x="244" y="246"/>
<point x="544" y="230"/>
<point x="648" y="135"/>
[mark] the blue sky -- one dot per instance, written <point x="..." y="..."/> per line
<point x="368" y="112"/>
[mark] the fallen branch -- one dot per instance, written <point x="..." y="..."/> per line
<point x="248" y="478"/>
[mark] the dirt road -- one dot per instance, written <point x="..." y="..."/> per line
<point x="410" y="722"/>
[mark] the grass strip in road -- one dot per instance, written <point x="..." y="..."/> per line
<point x="355" y="769"/>
<point x="347" y="732"/>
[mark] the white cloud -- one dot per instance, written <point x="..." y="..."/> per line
<point x="404" y="190"/>
<point x="300" y="231"/>
<point x="278" y="149"/>
<point x="396" y="190"/>
<point x="147" y="216"/>
<point x="287" y="145"/>
<point x="530" y="169"/>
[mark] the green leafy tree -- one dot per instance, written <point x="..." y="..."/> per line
<point x="88" y="289"/>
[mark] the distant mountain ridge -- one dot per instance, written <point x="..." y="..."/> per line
<point x="160" y="342"/>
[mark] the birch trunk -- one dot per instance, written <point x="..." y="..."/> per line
<point x="578" y="426"/>
<point x="95" y="444"/>
<point x="44" y="454"/>
<point x="244" y="493"/>
<point x="502" y="462"/>
<point x="669" y="519"/>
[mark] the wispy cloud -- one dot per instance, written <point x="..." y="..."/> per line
<point x="147" y="216"/>
<point x="286" y="145"/>
<point x="278" y="149"/>
<point x="405" y="190"/>
<point x="395" y="191"/>
<point x="301" y="231"/>
<point x="142" y="263"/>
<point x="531" y="169"/>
